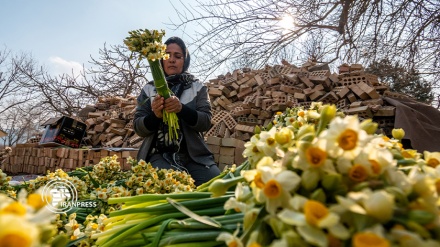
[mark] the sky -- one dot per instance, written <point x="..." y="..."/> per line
<point x="62" y="35"/>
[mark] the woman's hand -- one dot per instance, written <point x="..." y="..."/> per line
<point x="172" y="104"/>
<point x="157" y="106"/>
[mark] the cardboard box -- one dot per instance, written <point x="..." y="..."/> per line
<point x="63" y="131"/>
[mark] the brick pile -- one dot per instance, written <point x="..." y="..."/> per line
<point x="246" y="98"/>
<point x="32" y="159"/>
<point x="110" y="123"/>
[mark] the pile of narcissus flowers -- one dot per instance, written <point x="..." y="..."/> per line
<point x="99" y="183"/>
<point x="318" y="178"/>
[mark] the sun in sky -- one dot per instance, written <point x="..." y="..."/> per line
<point x="287" y="22"/>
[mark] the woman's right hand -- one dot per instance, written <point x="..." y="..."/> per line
<point x="157" y="106"/>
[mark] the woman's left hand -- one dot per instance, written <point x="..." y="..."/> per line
<point x="172" y="104"/>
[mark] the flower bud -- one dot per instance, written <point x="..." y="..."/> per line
<point x="328" y="112"/>
<point x="310" y="179"/>
<point x="398" y="133"/>
<point x="369" y="126"/>
<point x="331" y="181"/>
<point x="250" y="217"/>
<point x="318" y="195"/>
<point x="257" y="129"/>
<point x="284" y="136"/>
<point x="220" y="186"/>
<point x="380" y="205"/>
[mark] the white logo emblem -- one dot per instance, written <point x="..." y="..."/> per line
<point x="62" y="195"/>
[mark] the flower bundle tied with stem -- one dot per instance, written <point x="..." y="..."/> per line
<point x="148" y="44"/>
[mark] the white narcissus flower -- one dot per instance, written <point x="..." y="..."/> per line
<point x="344" y="137"/>
<point x="432" y="158"/>
<point x="230" y="239"/>
<point x="380" y="205"/>
<point x="252" y="151"/>
<point x="311" y="218"/>
<point x="267" y="143"/>
<point x="314" y="156"/>
<point x="275" y="187"/>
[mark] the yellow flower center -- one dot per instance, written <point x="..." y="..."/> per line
<point x="375" y="166"/>
<point x="301" y="114"/>
<point x="368" y="239"/>
<point x="15" y="239"/>
<point x="233" y="244"/>
<point x="358" y="173"/>
<point x="94" y="226"/>
<point x="347" y="139"/>
<point x="14" y="208"/>
<point x="255" y="149"/>
<point x="270" y="141"/>
<point x="258" y="181"/>
<point x="37" y="201"/>
<point x="314" y="212"/>
<point x="432" y="162"/>
<point x="407" y="154"/>
<point x="272" y="189"/>
<point x="316" y="157"/>
<point x="254" y="244"/>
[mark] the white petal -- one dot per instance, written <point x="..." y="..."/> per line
<point x="297" y="202"/>
<point x="313" y="235"/>
<point x="288" y="180"/>
<point x="224" y="236"/>
<point x="350" y="205"/>
<point x="249" y="175"/>
<point x="292" y="217"/>
<point x="329" y="220"/>
<point x="339" y="231"/>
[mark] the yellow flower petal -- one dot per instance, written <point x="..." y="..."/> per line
<point x="314" y="212"/>
<point x="368" y="239"/>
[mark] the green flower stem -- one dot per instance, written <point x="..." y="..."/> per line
<point x="169" y="118"/>
<point x="159" y="79"/>
<point x="132" y="243"/>
<point x="166" y="207"/>
<point x="128" y="231"/>
<point x="141" y="204"/>
<point x="190" y="237"/>
<point x="197" y="244"/>
<point x="155" y="197"/>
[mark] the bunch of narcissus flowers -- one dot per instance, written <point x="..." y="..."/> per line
<point x="147" y="44"/>
<point x="318" y="178"/>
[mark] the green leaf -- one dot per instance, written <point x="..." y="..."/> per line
<point x="94" y="182"/>
<point x="191" y="214"/>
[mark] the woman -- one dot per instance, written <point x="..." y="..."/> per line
<point x="191" y="104"/>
